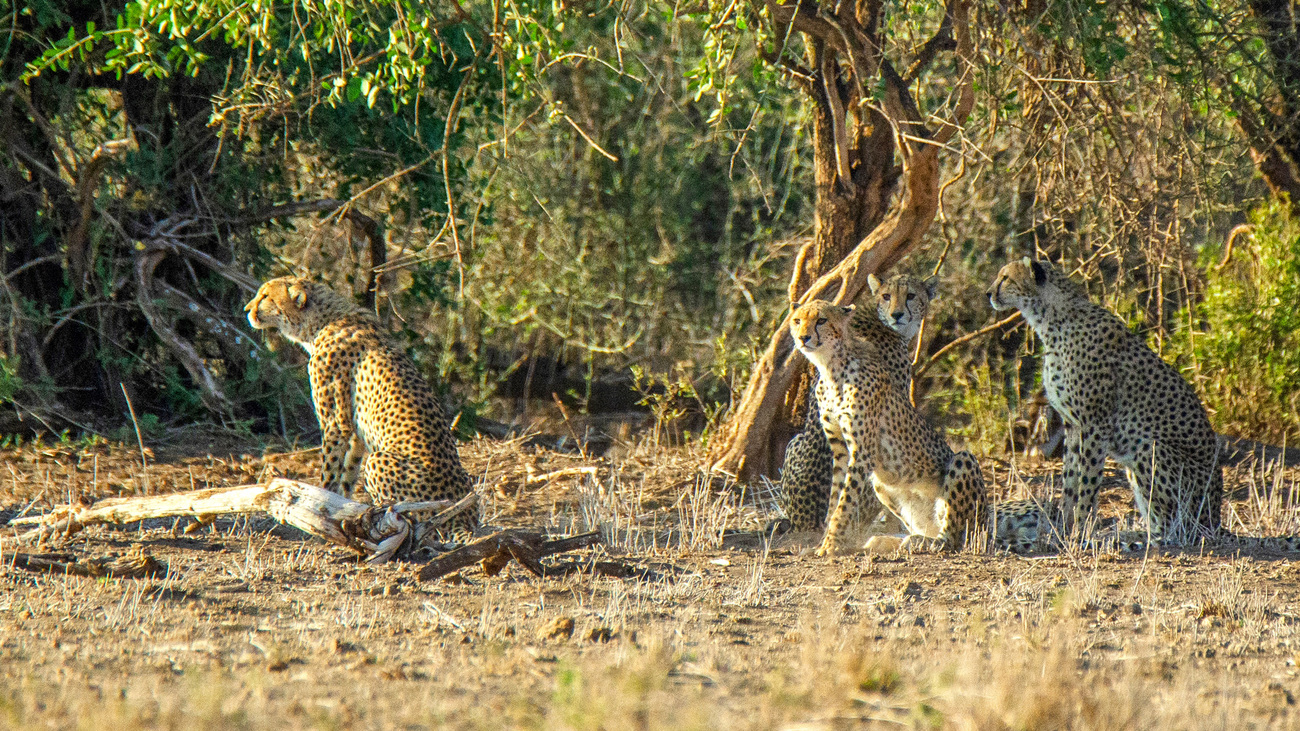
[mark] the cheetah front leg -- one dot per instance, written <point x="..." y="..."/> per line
<point x="341" y="453"/>
<point x="854" y="464"/>
<point x="1085" y="456"/>
<point x="341" y="446"/>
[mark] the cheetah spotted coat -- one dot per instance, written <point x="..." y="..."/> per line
<point x="1120" y="400"/>
<point x="379" y="419"/>
<point x="879" y="441"/>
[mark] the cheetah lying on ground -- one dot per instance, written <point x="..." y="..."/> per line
<point x="875" y="434"/>
<point x="378" y="417"/>
<point x="1119" y="399"/>
<point x="901" y="303"/>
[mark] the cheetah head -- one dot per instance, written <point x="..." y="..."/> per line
<point x="1032" y="284"/>
<point x="903" y="302"/>
<point x="817" y="327"/>
<point x="297" y="307"/>
<point x="1018" y="284"/>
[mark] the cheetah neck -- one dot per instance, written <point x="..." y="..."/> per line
<point x="830" y="361"/>
<point x="318" y="321"/>
<point x="1049" y="319"/>
<point x="306" y="344"/>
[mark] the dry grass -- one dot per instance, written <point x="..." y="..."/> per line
<point x="256" y="628"/>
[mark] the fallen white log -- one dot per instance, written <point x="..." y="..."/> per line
<point x="374" y="531"/>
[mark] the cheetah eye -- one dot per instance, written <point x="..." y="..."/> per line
<point x="821" y="321"/>
<point x="884" y="298"/>
<point x="910" y="296"/>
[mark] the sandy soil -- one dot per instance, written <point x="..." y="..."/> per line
<point x="255" y="626"/>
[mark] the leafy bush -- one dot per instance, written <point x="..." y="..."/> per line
<point x="1247" y="351"/>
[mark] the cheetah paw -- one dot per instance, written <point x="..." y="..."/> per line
<point x="922" y="544"/>
<point x="883" y="545"/>
<point x="829" y="548"/>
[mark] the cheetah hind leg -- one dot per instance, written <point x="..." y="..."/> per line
<point x="960" y="508"/>
<point x="806" y="479"/>
<point x="391" y="478"/>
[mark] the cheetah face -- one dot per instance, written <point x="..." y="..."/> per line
<point x="903" y="302"/>
<point x="818" y="327"/>
<point x="1017" y="284"/>
<point x="280" y="304"/>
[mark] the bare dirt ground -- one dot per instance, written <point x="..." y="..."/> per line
<point x="255" y="626"/>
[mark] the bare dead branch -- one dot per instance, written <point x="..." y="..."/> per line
<point x="495" y="551"/>
<point x="134" y="565"/>
<point x="961" y="340"/>
<point x="190" y="359"/>
<point x="377" y="532"/>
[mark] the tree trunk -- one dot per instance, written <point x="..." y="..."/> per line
<point x="842" y="218"/>
<point x="857" y="232"/>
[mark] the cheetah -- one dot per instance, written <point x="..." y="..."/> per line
<point x="378" y="417"/>
<point x="1119" y="399"/>
<point x="901" y="303"/>
<point x="876" y="434"/>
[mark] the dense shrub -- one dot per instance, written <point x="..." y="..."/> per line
<point x="1246" y="351"/>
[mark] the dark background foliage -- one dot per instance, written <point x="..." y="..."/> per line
<point x="565" y="193"/>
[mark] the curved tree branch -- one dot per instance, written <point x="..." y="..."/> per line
<point x="210" y="390"/>
<point x="77" y="252"/>
<point x="941" y="41"/>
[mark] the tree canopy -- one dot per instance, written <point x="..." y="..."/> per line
<point x="538" y="196"/>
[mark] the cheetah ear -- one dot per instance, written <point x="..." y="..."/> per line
<point x="1026" y="261"/>
<point x="931" y="287"/>
<point x="848" y="310"/>
<point x="1040" y="273"/>
<point x="298" y="294"/>
<point x="874" y="282"/>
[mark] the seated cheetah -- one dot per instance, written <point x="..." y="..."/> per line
<point x="378" y="417"/>
<point x="876" y="434"/>
<point x="1119" y="399"/>
<point x="900" y="303"/>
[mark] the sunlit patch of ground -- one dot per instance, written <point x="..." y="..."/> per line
<point x="257" y="627"/>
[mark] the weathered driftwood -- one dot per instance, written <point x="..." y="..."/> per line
<point x="374" y="531"/>
<point x="495" y="551"/>
<point x="134" y="565"/>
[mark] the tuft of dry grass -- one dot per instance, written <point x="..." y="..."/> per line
<point x="258" y="629"/>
